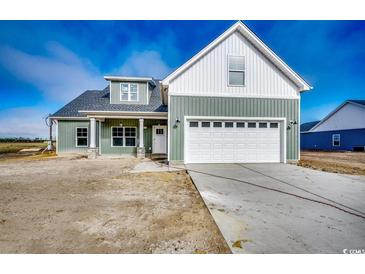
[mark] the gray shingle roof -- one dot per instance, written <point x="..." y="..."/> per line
<point x="100" y="100"/>
<point x="308" y="126"/>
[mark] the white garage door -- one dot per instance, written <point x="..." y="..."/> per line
<point x="217" y="141"/>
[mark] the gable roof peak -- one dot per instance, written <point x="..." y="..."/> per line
<point x="252" y="38"/>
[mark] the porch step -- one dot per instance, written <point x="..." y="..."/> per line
<point x="158" y="156"/>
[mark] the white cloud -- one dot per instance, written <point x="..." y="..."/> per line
<point x="145" y="63"/>
<point x="61" y="75"/>
<point x="23" y="122"/>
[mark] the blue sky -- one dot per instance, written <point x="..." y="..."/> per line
<point x="45" y="64"/>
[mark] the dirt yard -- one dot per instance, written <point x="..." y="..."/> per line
<point x="73" y="205"/>
<point x="337" y="162"/>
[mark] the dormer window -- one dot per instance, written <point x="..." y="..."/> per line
<point x="236" y="70"/>
<point x="128" y="92"/>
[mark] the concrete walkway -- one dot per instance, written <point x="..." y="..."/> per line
<point x="258" y="220"/>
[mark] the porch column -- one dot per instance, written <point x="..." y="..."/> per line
<point x="141" y="126"/>
<point x="141" y="149"/>
<point x="92" y="133"/>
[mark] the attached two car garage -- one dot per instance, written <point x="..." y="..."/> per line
<point x="234" y="140"/>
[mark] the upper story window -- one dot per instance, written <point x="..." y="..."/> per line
<point x="128" y="92"/>
<point x="236" y="70"/>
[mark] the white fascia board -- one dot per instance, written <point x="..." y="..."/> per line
<point x="130" y="114"/>
<point x="123" y="112"/>
<point x="125" y="78"/>
<point x="246" y="32"/>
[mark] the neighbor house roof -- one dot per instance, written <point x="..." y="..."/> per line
<point x="261" y="46"/>
<point x="99" y="100"/>
<point x="356" y="102"/>
<point x="307" y="126"/>
<point x="359" y="102"/>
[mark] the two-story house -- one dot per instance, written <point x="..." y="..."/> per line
<point x="234" y="101"/>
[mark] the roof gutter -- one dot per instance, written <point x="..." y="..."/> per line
<point x="124" y="113"/>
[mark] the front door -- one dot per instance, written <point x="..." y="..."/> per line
<point x="159" y="137"/>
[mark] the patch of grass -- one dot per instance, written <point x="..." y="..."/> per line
<point x="16" y="147"/>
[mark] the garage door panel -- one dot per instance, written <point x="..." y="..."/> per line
<point x="232" y="144"/>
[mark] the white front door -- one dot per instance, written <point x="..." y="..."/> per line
<point x="159" y="137"/>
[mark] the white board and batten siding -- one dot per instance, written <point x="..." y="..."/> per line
<point x="349" y="116"/>
<point x="209" y="75"/>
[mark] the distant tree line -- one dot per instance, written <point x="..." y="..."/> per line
<point x="21" y="140"/>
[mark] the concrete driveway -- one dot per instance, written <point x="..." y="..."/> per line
<point x="257" y="219"/>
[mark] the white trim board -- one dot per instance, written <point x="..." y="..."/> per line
<point x="192" y="94"/>
<point x="126" y="78"/>
<point x="260" y="45"/>
<point x="282" y="120"/>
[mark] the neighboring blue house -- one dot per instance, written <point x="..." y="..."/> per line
<point x="342" y="129"/>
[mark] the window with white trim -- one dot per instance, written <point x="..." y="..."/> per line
<point x="117" y="136"/>
<point x="130" y="134"/>
<point x="124" y="136"/>
<point x="236" y="70"/>
<point x="128" y="92"/>
<point x="81" y="137"/>
<point x="336" y="138"/>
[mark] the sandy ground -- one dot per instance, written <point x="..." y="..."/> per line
<point x="97" y="206"/>
<point x="338" y="162"/>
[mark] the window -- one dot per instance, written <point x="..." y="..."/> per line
<point x="130" y="134"/>
<point x="159" y="131"/>
<point x="336" y="140"/>
<point x="128" y="92"/>
<point x="262" y="125"/>
<point x="228" y="124"/>
<point x="124" y="136"/>
<point x="194" y="124"/>
<point x="274" y="125"/>
<point x="81" y="136"/>
<point x="251" y="125"/>
<point x="236" y="70"/>
<point x="217" y="124"/>
<point x="117" y="136"/>
<point x="205" y="124"/>
<point x="240" y="124"/>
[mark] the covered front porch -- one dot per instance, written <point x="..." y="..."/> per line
<point x="142" y="136"/>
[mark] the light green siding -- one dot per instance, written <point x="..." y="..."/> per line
<point x="106" y="147"/>
<point x="115" y="94"/>
<point x="66" y="141"/>
<point x="181" y="106"/>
